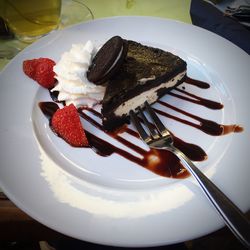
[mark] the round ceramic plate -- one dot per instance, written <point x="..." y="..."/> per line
<point x="111" y="200"/>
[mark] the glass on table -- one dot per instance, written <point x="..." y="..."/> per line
<point x="30" y="20"/>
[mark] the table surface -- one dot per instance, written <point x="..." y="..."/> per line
<point x="18" y="225"/>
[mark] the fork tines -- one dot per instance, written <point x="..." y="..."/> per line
<point x="156" y="130"/>
<point x="136" y="122"/>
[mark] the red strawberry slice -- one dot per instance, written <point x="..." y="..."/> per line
<point x="40" y="70"/>
<point x="29" y="67"/>
<point x="66" y="123"/>
<point x="44" y="73"/>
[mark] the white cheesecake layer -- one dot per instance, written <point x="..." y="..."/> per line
<point x="150" y="96"/>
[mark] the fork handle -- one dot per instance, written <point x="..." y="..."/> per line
<point x="233" y="217"/>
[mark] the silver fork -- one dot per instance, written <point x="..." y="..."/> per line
<point x="162" y="139"/>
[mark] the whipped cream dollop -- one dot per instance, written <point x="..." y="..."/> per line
<point x="71" y="74"/>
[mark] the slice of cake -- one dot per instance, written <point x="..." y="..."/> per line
<point x="147" y="73"/>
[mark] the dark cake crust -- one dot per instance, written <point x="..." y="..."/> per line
<point x="141" y="62"/>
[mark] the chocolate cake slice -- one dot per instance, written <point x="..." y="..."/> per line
<point x="147" y="73"/>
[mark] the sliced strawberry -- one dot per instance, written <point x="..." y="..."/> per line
<point x="29" y="67"/>
<point x="44" y="74"/>
<point x="40" y="70"/>
<point x="66" y="123"/>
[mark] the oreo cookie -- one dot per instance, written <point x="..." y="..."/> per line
<point x="107" y="60"/>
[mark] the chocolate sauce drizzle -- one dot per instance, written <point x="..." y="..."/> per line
<point x="197" y="99"/>
<point x="161" y="162"/>
<point x="206" y="126"/>
<point x="197" y="83"/>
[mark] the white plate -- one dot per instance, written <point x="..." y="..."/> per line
<point x="110" y="200"/>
